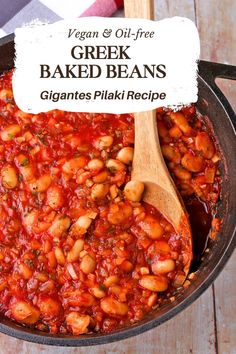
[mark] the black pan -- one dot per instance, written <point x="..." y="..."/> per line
<point x="213" y="104"/>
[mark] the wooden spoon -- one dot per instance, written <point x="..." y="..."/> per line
<point x="148" y="164"/>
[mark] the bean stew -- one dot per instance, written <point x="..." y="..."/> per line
<point x="79" y="250"/>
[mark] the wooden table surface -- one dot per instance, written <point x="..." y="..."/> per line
<point x="209" y="325"/>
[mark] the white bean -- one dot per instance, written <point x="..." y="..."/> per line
<point x="98" y="292"/>
<point x="81" y="225"/>
<point x="88" y="264"/>
<point x="105" y="141"/>
<point x="99" y="191"/>
<point x="24" y="312"/>
<point x="154" y="283"/>
<point x="125" y="155"/>
<point x="152" y="227"/>
<point x="9" y="177"/>
<point x="10" y="132"/>
<point x="134" y="190"/>
<point x="78" y="322"/>
<point x="41" y="184"/>
<point x="114" y="307"/>
<point x="25" y="167"/>
<point x="95" y="164"/>
<point x="60" y="257"/>
<point x="60" y="224"/>
<point x="55" y="197"/>
<point x="74" y="254"/>
<point x="115" y="165"/>
<point x="111" y="280"/>
<point x="73" y="165"/>
<point x="6" y="94"/>
<point x="164" y="266"/>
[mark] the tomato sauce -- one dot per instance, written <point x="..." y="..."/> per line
<point x="79" y="251"/>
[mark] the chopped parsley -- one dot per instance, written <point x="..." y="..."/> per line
<point x="20" y="177"/>
<point x="53" y="276"/>
<point x="29" y="263"/>
<point x="42" y="137"/>
<point x="10" y="136"/>
<point x="25" y="162"/>
<point x="102" y="287"/>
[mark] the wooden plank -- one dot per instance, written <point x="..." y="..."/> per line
<point x="228" y="87"/>
<point x="182" y="334"/>
<point x="166" y="8"/>
<point x="170" y="8"/>
<point x="217" y="28"/>
<point x="225" y="303"/>
<point x="192" y="331"/>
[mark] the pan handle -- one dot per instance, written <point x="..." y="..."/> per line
<point x="209" y="72"/>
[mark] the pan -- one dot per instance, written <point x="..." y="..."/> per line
<point x="222" y="119"/>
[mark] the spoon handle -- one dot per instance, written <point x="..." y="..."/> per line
<point x="139" y="9"/>
<point x="147" y="152"/>
<point x="150" y="168"/>
<point x="148" y="163"/>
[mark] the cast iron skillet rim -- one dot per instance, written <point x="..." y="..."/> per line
<point x="7" y="39"/>
<point x="87" y="340"/>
